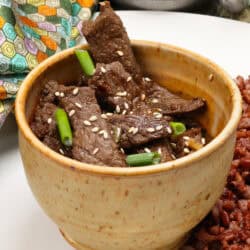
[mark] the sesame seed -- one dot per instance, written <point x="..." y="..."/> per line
<point x="186" y="138"/>
<point x="173" y="156"/>
<point x="169" y="130"/>
<point x="61" y="151"/>
<point x="203" y="140"/>
<point x="150" y="130"/>
<point x="186" y="150"/>
<point x="186" y="143"/>
<point x="173" y="145"/>
<point x="157" y="115"/>
<point x="124" y="112"/>
<point x="131" y="130"/>
<point x="72" y="112"/>
<point x="122" y="150"/>
<point x="154" y="100"/>
<point x="131" y="112"/>
<point x="124" y="93"/>
<point x="147" y="150"/>
<point x="75" y="91"/>
<point x="159" y="127"/>
<point x="105" y="135"/>
<point x="62" y="94"/>
<point x="135" y="131"/>
<point x="57" y="93"/>
<point x="147" y="79"/>
<point x="104" y="116"/>
<point x="126" y="105"/>
<point x="143" y="96"/>
<point x="87" y="123"/>
<point x="93" y="118"/>
<point x="118" y="132"/>
<point x="211" y="77"/>
<point x="120" y="53"/>
<point x="95" y="151"/>
<point x="118" y="109"/>
<point x="103" y="70"/>
<point x="129" y="78"/>
<point x="78" y="105"/>
<point x="159" y="151"/>
<point x="49" y="120"/>
<point x="116" y="97"/>
<point x="109" y="114"/>
<point x="95" y="129"/>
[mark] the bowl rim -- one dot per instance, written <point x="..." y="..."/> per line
<point x="75" y="165"/>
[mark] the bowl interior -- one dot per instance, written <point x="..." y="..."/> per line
<point x="180" y="71"/>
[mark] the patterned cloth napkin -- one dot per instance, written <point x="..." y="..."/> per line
<point x="31" y="31"/>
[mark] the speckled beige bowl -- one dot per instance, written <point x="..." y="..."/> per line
<point x="154" y="207"/>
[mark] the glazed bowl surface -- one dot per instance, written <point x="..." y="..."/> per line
<point x="153" y="207"/>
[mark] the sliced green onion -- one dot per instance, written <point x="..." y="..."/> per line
<point x="63" y="126"/>
<point x="178" y="128"/>
<point x="143" y="159"/>
<point x="86" y="61"/>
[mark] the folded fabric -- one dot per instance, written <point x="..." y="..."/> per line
<point x="31" y="31"/>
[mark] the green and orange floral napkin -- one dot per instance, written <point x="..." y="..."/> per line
<point x="31" y="31"/>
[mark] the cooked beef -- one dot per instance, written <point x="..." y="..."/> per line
<point x="43" y="122"/>
<point x="48" y="93"/>
<point x="116" y="109"/>
<point x="92" y="140"/>
<point x="135" y="130"/>
<point x="44" y="127"/>
<point x="109" y="40"/>
<point x="114" y="86"/>
<point x="82" y="81"/>
<point x="169" y="103"/>
<point x="180" y="143"/>
<point x="161" y="146"/>
<point x="55" y="144"/>
<point x="190" y="121"/>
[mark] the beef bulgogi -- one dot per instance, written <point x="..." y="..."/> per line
<point x="114" y="113"/>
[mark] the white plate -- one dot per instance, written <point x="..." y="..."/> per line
<point x="24" y="226"/>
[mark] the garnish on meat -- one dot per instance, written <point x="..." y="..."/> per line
<point x="114" y="116"/>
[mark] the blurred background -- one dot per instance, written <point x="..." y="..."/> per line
<point x="233" y="9"/>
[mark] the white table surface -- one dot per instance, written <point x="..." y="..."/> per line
<point x="24" y="226"/>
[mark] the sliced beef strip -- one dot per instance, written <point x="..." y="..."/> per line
<point x="109" y="40"/>
<point x="89" y="145"/>
<point x="114" y="86"/>
<point x="169" y="103"/>
<point x="179" y="143"/>
<point x="135" y="130"/>
<point x="41" y="124"/>
<point x="161" y="146"/>
<point x="44" y="127"/>
<point x="48" y="92"/>
<point x="55" y="144"/>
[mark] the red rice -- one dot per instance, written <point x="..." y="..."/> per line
<point x="227" y="226"/>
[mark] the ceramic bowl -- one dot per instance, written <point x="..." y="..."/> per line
<point x="153" y="207"/>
